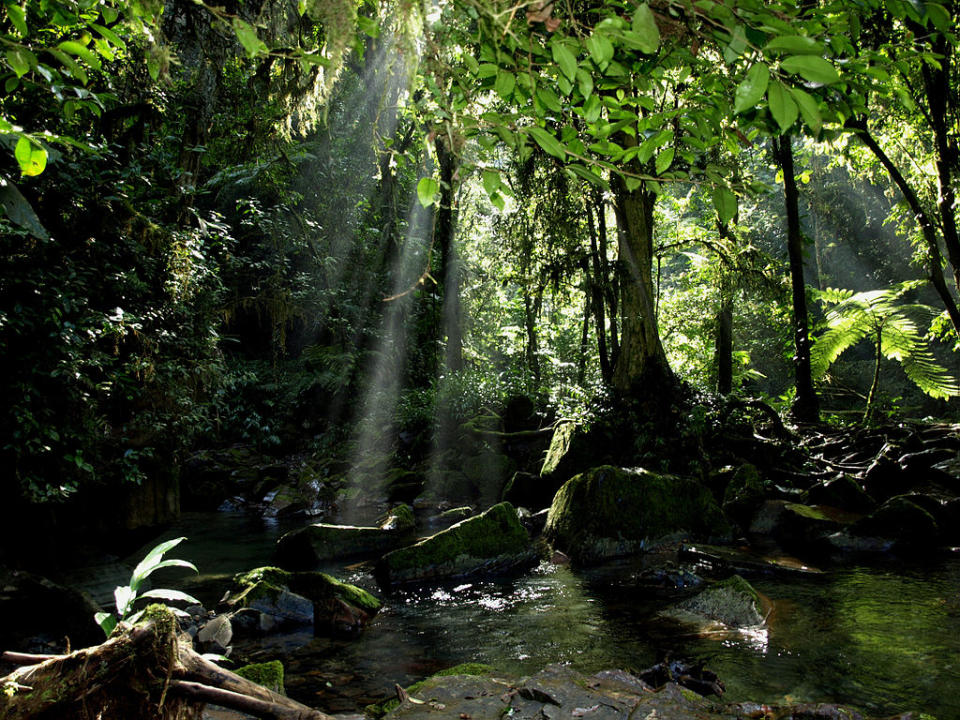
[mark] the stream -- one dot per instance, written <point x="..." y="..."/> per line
<point x="883" y="638"/>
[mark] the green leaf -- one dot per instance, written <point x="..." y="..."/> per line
<point x="106" y="621"/>
<point x="584" y="82"/>
<point x="565" y="59"/>
<point x="646" y="30"/>
<point x="21" y="60"/>
<point x="589" y="176"/>
<point x="31" y="156"/>
<point x="664" y="160"/>
<point x="782" y="106"/>
<point x="795" y="45"/>
<point x="80" y="51"/>
<point x="18" y="18"/>
<point x="940" y="16"/>
<point x="601" y="49"/>
<point x="809" y="109"/>
<point x="109" y="35"/>
<point x="549" y="99"/>
<point x="812" y="68"/>
<point x="592" y="108"/>
<point x="152" y="560"/>
<point x="725" y="203"/>
<point x="171" y="595"/>
<point x="548" y="142"/>
<point x="427" y="190"/>
<point x="248" y="37"/>
<point x="73" y="67"/>
<point x="505" y="83"/>
<point x="752" y="89"/>
<point x="736" y="46"/>
<point x="491" y="181"/>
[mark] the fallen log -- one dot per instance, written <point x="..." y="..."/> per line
<point x="145" y="671"/>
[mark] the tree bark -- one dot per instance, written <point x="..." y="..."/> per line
<point x="642" y="364"/>
<point x="806" y="406"/>
<point x="449" y="270"/>
<point x="597" y="284"/>
<point x="724" y="346"/>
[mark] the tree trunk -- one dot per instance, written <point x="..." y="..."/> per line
<point x="875" y="385"/>
<point x="449" y="270"/>
<point x="611" y="283"/>
<point x="927" y="227"/>
<point x="597" y="284"/>
<point x="585" y="328"/>
<point x="806" y="406"/>
<point x="143" y="673"/>
<point x="531" y="308"/>
<point x="724" y="329"/>
<point x="642" y="364"/>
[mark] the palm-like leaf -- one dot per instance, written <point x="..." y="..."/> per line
<point x="875" y="314"/>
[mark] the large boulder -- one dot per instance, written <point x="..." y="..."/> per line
<point x="608" y="512"/>
<point x="901" y="523"/>
<point x="288" y="599"/>
<point x="493" y="541"/>
<point x="308" y="546"/>
<point x="533" y="492"/>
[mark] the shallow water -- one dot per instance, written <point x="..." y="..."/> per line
<point x="885" y="639"/>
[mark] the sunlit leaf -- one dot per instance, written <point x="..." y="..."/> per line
<point x="809" y="109"/>
<point x="548" y="142"/>
<point x="171" y="595"/>
<point x="505" y="83"/>
<point x="795" y="45"/>
<point x="782" y="106"/>
<point x="725" y="203"/>
<point x="18" y="18"/>
<point x="248" y="37"/>
<point x="645" y="29"/>
<point x="752" y="89"/>
<point x="427" y="190"/>
<point x="31" y="156"/>
<point x="812" y="68"/>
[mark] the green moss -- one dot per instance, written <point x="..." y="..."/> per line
<point x="745" y="485"/>
<point x="399" y="518"/>
<point x="358" y="597"/>
<point x="559" y="447"/>
<point x="272" y="575"/>
<point x="607" y="508"/>
<point x="269" y="582"/>
<point x="733" y="602"/>
<point x="806" y="511"/>
<point x="166" y="621"/>
<point x="491" y="534"/>
<point x="268" y="674"/>
<point x="466" y="669"/>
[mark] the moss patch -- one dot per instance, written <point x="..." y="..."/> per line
<point x="458" y="549"/>
<point x="806" y="511"/>
<point x="609" y="511"/>
<point x="268" y="674"/>
<point x="733" y="602"/>
<point x="559" y="447"/>
<point x="269" y="582"/>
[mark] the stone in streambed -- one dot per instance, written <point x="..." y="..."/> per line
<point x="493" y="541"/>
<point x="306" y="547"/>
<point x="307" y="598"/>
<point x="609" y="512"/>
<point x="732" y="602"/>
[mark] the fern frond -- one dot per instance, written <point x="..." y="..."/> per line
<point x="929" y="375"/>
<point x="834" y="342"/>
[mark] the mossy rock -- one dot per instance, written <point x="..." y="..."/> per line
<point x="399" y="519"/>
<point x="268" y="674"/>
<point x="493" y="541"/>
<point x="335" y="608"/>
<point x="464" y="669"/>
<point x="308" y="546"/>
<point x="609" y="512"/>
<point x="902" y="520"/>
<point x="732" y="602"/>
<point x="842" y="492"/>
<point x="562" y="451"/>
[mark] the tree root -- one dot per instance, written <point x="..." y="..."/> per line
<point x="145" y="671"/>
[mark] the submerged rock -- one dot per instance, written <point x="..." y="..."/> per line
<point x="609" y="512"/>
<point x="306" y="547"/>
<point x="306" y="598"/>
<point x="493" y="541"/>
<point x="732" y="602"/>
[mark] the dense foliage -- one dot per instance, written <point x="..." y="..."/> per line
<point x="361" y="228"/>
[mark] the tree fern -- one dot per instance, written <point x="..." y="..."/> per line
<point x="894" y="330"/>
